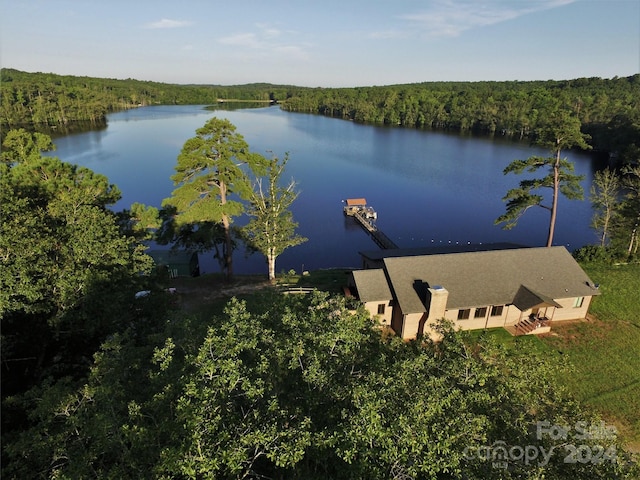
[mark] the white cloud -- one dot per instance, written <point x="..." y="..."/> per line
<point x="266" y="39"/>
<point x="449" y="18"/>
<point x="167" y="23"/>
<point x="293" y="51"/>
<point x="247" y="40"/>
<point x="268" y="31"/>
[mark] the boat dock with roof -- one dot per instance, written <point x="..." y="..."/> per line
<point x="366" y="217"/>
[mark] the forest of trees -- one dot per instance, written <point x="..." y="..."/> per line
<point x="46" y="99"/>
<point x="608" y="109"/>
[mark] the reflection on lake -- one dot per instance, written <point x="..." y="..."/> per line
<point x="429" y="188"/>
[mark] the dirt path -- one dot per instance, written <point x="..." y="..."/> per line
<point x="194" y="293"/>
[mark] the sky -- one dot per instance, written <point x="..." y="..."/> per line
<point x="322" y="43"/>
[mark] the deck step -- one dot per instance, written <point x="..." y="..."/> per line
<point x="527" y="326"/>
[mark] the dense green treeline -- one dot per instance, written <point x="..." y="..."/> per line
<point x="47" y="99"/>
<point x="608" y="109"/>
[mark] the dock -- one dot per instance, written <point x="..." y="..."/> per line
<point x="366" y="217"/>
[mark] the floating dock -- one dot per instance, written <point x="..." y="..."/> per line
<point x="366" y="217"/>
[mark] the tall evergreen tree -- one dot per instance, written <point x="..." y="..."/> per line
<point x="212" y="175"/>
<point x="561" y="132"/>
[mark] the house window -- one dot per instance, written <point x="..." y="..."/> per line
<point x="464" y="314"/>
<point x="577" y="303"/>
<point x="381" y="308"/>
<point x="480" y="312"/>
<point x="496" y="310"/>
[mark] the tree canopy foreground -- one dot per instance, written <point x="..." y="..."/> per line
<point x="299" y="386"/>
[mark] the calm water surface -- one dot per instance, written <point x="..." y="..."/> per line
<point x="429" y="188"/>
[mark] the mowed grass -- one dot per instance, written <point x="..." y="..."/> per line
<point x="605" y="350"/>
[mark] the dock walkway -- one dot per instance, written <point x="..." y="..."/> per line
<point x="366" y="217"/>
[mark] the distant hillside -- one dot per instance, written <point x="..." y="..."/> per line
<point x="33" y="99"/>
<point x="609" y="109"/>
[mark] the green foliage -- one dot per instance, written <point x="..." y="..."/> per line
<point x="605" y="192"/>
<point x="563" y="132"/>
<point x="594" y="254"/>
<point x="212" y="175"/>
<point x="141" y="221"/>
<point x="271" y="229"/>
<point x="42" y="99"/>
<point x="19" y="146"/>
<point x="298" y="387"/>
<point x="609" y="109"/>
<point x="67" y="270"/>
<point x="625" y="234"/>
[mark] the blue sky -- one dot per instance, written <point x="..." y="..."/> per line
<point x="326" y="43"/>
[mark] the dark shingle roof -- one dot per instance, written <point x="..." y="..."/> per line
<point x="436" y="250"/>
<point x="490" y="277"/>
<point x="372" y="285"/>
<point x="526" y="298"/>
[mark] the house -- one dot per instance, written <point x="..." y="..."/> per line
<point x="523" y="290"/>
<point x="176" y="263"/>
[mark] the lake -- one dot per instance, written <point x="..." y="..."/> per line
<point x="429" y="188"/>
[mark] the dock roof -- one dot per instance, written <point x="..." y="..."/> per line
<point x="355" y="202"/>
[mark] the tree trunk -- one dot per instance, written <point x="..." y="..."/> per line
<point x="271" y="260"/>
<point x="605" y="227"/>
<point x="228" y="244"/>
<point x="228" y="248"/>
<point x="554" y="204"/>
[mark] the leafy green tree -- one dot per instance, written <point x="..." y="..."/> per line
<point x="605" y="200"/>
<point x="212" y="175"/>
<point x="140" y="221"/>
<point x="272" y="229"/>
<point x="630" y="209"/>
<point x="294" y="386"/>
<point x="67" y="269"/>
<point x="202" y="237"/>
<point x="562" y="132"/>
<point x="20" y="145"/>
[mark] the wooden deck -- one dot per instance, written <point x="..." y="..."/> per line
<point x="365" y="219"/>
<point x="529" y="326"/>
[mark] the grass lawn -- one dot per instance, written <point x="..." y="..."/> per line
<point x="207" y="295"/>
<point x="606" y="349"/>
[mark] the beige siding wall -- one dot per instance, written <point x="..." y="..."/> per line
<point x="385" y="318"/>
<point x="568" y="311"/>
<point x="510" y="314"/>
<point x="411" y="326"/>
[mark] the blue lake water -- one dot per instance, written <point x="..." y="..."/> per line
<point x="429" y="188"/>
